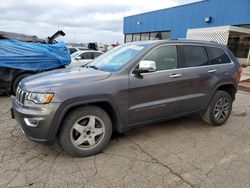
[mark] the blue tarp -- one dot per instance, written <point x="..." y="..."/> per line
<point x="33" y="56"/>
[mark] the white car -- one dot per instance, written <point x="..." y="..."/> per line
<point x="81" y="58"/>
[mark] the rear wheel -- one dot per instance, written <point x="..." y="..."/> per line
<point x="219" y="109"/>
<point x="85" y="131"/>
<point x="17" y="80"/>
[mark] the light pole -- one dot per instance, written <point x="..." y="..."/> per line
<point x="248" y="57"/>
<point x="74" y="37"/>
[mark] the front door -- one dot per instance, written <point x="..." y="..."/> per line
<point x="157" y="94"/>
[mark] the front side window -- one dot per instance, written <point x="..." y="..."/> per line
<point x="217" y="56"/>
<point x="165" y="57"/>
<point x="96" y="54"/>
<point x="87" y="55"/>
<point x="195" y="56"/>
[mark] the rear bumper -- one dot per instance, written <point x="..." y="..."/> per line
<point x="43" y="132"/>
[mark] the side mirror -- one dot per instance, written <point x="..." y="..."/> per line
<point x="145" y="66"/>
<point x="78" y="58"/>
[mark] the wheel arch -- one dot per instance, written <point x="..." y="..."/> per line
<point x="15" y="77"/>
<point x="105" y="104"/>
<point x="228" y="87"/>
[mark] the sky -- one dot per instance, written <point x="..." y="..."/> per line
<point x="82" y="20"/>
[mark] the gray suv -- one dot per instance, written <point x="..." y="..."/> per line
<point x="134" y="84"/>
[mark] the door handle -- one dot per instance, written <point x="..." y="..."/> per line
<point x="175" y="76"/>
<point x="212" y="70"/>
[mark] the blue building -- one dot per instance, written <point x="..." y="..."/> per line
<point x="175" y="22"/>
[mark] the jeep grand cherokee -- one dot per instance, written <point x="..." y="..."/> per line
<point x="134" y="84"/>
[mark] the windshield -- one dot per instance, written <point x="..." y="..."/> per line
<point x="117" y="58"/>
<point x="75" y="54"/>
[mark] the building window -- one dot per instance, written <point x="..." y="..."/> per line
<point x="136" y="37"/>
<point x="217" y="56"/>
<point x="128" y="38"/>
<point x="239" y="44"/>
<point x="155" y="36"/>
<point x="163" y="35"/>
<point x="144" y="36"/>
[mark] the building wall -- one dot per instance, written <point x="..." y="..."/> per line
<point x="179" y="19"/>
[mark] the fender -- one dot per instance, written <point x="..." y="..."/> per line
<point x="79" y="101"/>
<point x="216" y="88"/>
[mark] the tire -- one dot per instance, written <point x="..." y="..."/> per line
<point x="17" y="80"/>
<point x="85" y="131"/>
<point x="214" y="115"/>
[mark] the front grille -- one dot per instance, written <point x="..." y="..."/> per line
<point x="21" y="95"/>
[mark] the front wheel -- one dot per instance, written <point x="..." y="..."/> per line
<point x="219" y="109"/>
<point x="85" y="131"/>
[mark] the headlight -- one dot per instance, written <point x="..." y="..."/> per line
<point x="40" y="98"/>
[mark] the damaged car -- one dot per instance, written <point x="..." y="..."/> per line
<point x="23" y="55"/>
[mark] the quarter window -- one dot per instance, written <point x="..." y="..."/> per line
<point x="217" y="56"/>
<point x="165" y="57"/>
<point x="195" y="56"/>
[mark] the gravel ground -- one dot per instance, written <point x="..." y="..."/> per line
<point x="179" y="153"/>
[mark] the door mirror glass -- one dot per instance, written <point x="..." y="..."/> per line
<point x="145" y="66"/>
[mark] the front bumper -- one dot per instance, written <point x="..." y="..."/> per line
<point x="44" y="132"/>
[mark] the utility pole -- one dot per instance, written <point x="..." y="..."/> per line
<point x="74" y="37"/>
<point x="248" y="57"/>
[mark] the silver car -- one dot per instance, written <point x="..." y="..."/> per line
<point x="81" y="58"/>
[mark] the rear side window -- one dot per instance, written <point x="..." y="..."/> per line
<point x="217" y="56"/>
<point x="165" y="57"/>
<point x="195" y="56"/>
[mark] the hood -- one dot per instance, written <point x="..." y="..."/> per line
<point x="49" y="81"/>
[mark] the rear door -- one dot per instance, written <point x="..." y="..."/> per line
<point x="199" y="75"/>
<point x="221" y="63"/>
<point x="157" y="94"/>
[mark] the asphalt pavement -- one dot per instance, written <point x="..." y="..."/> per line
<point x="179" y="153"/>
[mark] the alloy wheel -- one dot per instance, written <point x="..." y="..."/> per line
<point x="221" y="109"/>
<point x="87" y="132"/>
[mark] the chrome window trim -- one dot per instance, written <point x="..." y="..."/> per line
<point x="183" y="68"/>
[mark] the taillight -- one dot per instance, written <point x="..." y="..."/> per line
<point x="239" y="72"/>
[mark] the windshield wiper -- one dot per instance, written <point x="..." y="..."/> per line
<point x="93" y="66"/>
